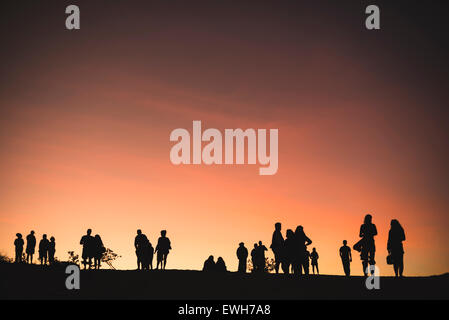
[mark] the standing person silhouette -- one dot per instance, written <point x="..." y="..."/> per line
<point x="51" y="250"/>
<point x="346" y="258"/>
<point x="31" y="245"/>
<point x="302" y="242"/>
<point x="163" y="248"/>
<point x="242" y="255"/>
<point x="87" y="243"/>
<point x="139" y="244"/>
<point x="291" y="253"/>
<point x="18" y="244"/>
<point x="98" y="250"/>
<point x="394" y="246"/>
<point x="43" y="249"/>
<point x="255" y="258"/>
<point x="314" y="256"/>
<point x="368" y="248"/>
<point x="261" y="257"/>
<point x="277" y="245"/>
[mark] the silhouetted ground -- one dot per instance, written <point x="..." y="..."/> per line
<point x="35" y="282"/>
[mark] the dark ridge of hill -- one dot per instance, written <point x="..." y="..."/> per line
<point x="35" y="282"/>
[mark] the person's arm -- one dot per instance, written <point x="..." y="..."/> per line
<point x="361" y="233"/>
<point x="375" y="230"/>
<point x="308" y="241"/>
<point x="389" y="242"/>
<point x="350" y="255"/>
<point x="81" y="241"/>
<point x="339" y="251"/>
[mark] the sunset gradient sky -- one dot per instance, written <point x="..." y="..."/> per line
<point x="85" y="120"/>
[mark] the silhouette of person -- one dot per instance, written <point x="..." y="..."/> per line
<point x="261" y="257"/>
<point x="43" y="249"/>
<point x="98" y="249"/>
<point x="346" y="258"/>
<point x="162" y="248"/>
<point x="291" y="253"/>
<point x="51" y="250"/>
<point x="18" y="244"/>
<point x="209" y="264"/>
<point x="368" y="248"/>
<point x="242" y="255"/>
<point x="306" y="264"/>
<point x="220" y="266"/>
<point x="314" y="256"/>
<point x="139" y="243"/>
<point x="147" y="254"/>
<point x="255" y="258"/>
<point x="277" y="245"/>
<point x="87" y="241"/>
<point x="31" y="245"/>
<point x="302" y="242"/>
<point x="395" y="248"/>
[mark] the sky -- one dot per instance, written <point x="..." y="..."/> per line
<point x="86" y="116"/>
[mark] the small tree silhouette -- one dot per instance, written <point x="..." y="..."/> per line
<point x="269" y="265"/>
<point x="5" y="259"/>
<point x="109" y="256"/>
<point x="73" y="258"/>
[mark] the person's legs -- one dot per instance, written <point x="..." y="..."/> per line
<point x="317" y="270"/>
<point x="401" y="265"/>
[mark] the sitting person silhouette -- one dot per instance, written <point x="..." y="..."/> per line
<point x="395" y="248"/>
<point x="220" y="266"/>
<point x="31" y="245"/>
<point x="242" y="255"/>
<point x="88" y="251"/>
<point x="43" y="249"/>
<point x="18" y="244"/>
<point x="51" y="250"/>
<point x="346" y="258"/>
<point x="163" y="248"/>
<point x="314" y="257"/>
<point x="209" y="264"/>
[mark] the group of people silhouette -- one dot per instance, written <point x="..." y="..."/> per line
<point x="47" y="248"/>
<point x="145" y="251"/>
<point x="93" y="248"/>
<point x="290" y="253"/>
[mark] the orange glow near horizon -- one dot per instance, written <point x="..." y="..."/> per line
<point x="85" y="144"/>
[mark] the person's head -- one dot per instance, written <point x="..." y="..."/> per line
<point x="260" y="243"/>
<point x="368" y="219"/>
<point x="314" y="249"/>
<point x="211" y="258"/>
<point x="395" y="224"/>
<point x="255" y="245"/>
<point x="139" y="231"/>
<point x="299" y="229"/>
<point x="97" y="236"/>
<point x="44" y="236"/>
<point x="277" y="226"/>
<point x="220" y="259"/>
<point x="89" y="231"/>
<point x="52" y="239"/>
<point x="163" y="233"/>
<point x="32" y="232"/>
<point x="19" y="235"/>
<point x="241" y="244"/>
<point x="290" y="234"/>
<point x="345" y="242"/>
